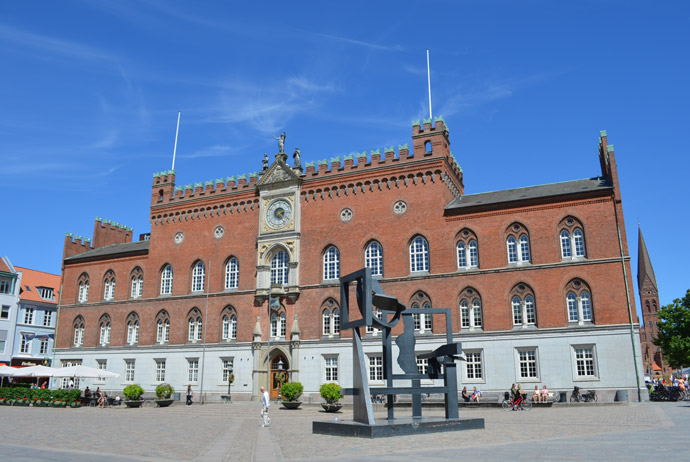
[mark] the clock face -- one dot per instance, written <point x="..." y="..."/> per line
<point x="278" y="213"/>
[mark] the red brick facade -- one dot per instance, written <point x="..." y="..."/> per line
<point x="426" y="181"/>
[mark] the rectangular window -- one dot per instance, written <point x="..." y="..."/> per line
<point x="227" y="369"/>
<point x="160" y="370"/>
<point x="422" y="365"/>
<point x="29" y="316"/>
<point x="129" y="370"/>
<point x="528" y="364"/>
<point x="46" y="293"/>
<point x="474" y="365"/>
<point x="193" y="370"/>
<point x="25" y="345"/>
<point x="584" y="362"/>
<point x="5" y="312"/>
<point x="66" y="380"/>
<point x="331" y="369"/>
<point x="375" y="368"/>
<point x="4" y="286"/>
<point x="102" y="364"/>
<point x="2" y="346"/>
<point x="47" y="319"/>
<point x="44" y="346"/>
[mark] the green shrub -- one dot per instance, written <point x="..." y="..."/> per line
<point x="164" y="391"/>
<point x="330" y="392"/>
<point x="291" y="391"/>
<point x="133" y="392"/>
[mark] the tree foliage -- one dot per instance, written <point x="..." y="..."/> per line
<point x="673" y="334"/>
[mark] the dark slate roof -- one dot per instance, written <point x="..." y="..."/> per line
<point x="530" y="193"/>
<point x="644" y="264"/>
<point x="113" y="250"/>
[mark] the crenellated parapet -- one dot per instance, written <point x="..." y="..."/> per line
<point x="107" y="232"/>
<point x="75" y="244"/>
<point x="165" y="192"/>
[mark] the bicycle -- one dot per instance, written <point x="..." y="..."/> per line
<point x="519" y="404"/>
<point x="576" y="396"/>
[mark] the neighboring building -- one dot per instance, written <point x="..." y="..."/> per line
<point x="9" y="302"/>
<point x="36" y="318"/>
<point x="654" y="363"/>
<point x="533" y="276"/>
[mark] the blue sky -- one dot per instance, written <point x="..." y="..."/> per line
<point x="89" y="95"/>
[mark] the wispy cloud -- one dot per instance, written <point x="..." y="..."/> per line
<point x="360" y="43"/>
<point x="269" y="107"/>
<point x="216" y="150"/>
<point x="465" y="99"/>
<point x="53" y="47"/>
<point x="105" y="142"/>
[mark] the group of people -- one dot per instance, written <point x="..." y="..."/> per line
<point x="101" y="397"/>
<point x="538" y="395"/>
<point x="473" y="396"/>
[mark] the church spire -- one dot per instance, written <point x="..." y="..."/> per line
<point x="644" y="264"/>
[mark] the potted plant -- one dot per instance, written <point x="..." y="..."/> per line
<point x="331" y="393"/>
<point x="164" y="393"/>
<point x="21" y="402"/>
<point x="291" y="393"/>
<point x="133" y="394"/>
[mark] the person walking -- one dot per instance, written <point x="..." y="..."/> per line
<point x="189" y="395"/>
<point x="265" y="402"/>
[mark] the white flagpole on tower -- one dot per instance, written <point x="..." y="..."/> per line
<point x="176" y="132"/>
<point x="428" y="78"/>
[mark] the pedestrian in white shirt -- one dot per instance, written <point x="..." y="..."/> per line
<point x="265" y="403"/>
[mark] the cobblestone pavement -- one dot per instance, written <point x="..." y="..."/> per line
<point x="232" y="432"/>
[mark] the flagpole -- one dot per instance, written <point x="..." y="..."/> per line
<point x="428" y="79"/>
<point x="178" y="130"/>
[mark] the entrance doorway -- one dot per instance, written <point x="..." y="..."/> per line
<point x="279" y="366"/>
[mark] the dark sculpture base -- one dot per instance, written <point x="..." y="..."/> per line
<point x="402" y="426"/>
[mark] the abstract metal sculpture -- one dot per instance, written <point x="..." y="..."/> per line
<point x="441" y="362"/>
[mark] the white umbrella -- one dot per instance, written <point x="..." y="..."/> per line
<point x="7" y="371"/>
<point x="35" y="371"/>
<point x="83" y="372"/>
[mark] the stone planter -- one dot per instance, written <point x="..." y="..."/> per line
<point x="74" y="405"/>
<point x="291" y="404"/>
<point x="137" y="403"/>
<point x="21" y="402"/>
<point x="164" y="402"/>
<point x="59" y="404"/>
<point x="334" y="407"/>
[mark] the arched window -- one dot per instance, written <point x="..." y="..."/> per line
<point x="423" y="322"/>
<point x="132" y="329"/>
<point x="195" y="324"/>
<point x="109" y="284"/>
<point x="470" y="309"/>
<point x="572" y="238"/>
<point x="278" y="325"/>
<point x="419" y="255"/>
<point x="279" y="268"/>
<point x="166" y="280"/>
<point x="162" y="327"/>
<point x="330" y="312"/>
<point x="83" y="296"/>
<point x="104" y="324"/>
<point x="579" y="302"/>
<point x="373" y="258"/>
<point x="517" y="243"/>
<point x="78" y="331"/>
<point x="523" y="306"/>
<point x="198" y="277"/>
<point x="331" y="263"/>
<point x="229" y="323"/>
<point x="232" y="274"/>
<point x="467" y="251"/>
<point x="427" y="146"/>
<point x="137" y="278"/>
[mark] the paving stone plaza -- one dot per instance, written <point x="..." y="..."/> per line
<point x="232" y="432"/>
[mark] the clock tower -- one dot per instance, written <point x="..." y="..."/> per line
<point x="278" y="242"/>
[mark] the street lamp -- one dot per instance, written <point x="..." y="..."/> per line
<point x="280" y="383"/>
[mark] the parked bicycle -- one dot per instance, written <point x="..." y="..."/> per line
<point x="589" y="396"/>
<point x="662" y="393"/>
<point x="518" y="404"/>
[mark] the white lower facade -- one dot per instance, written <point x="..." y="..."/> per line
<point x="590" y="357"/>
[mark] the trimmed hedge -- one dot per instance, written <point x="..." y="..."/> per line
<point x="69" y="396"/>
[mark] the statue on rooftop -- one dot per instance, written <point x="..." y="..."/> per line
<point x="264" y="163"/>
<point x="281" y="142"/>
<point x="296" y="158"/>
